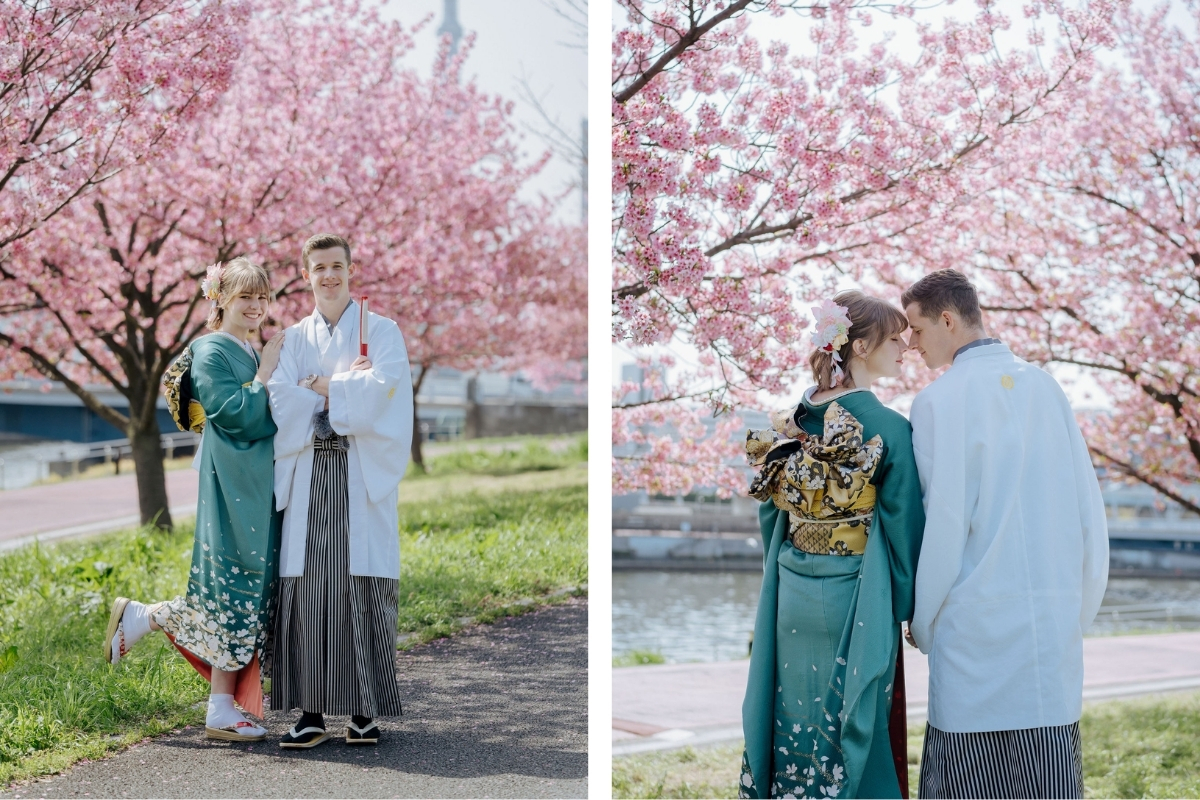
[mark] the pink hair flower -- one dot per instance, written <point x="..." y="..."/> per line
<point x="831" y="332"/>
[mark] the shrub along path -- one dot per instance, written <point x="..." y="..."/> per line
<point x="497" y="711"/>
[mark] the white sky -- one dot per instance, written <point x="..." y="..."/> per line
<point x="1082" y="390"/>
<point x="517" y="38"/>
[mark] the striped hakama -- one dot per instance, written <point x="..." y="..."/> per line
<point x="335" y="634"/>
<point x="1035" y="762"/>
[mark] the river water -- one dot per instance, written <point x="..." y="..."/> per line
<point x="708" y="616"/>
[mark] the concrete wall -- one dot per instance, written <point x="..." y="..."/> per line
<point x="515" y="419"/>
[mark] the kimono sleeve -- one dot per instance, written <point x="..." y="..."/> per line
<point x="239" y="410"/>
<point x="939" y="450"/>
<point x="900" y="515"/>
<point x="375" y="407"/>
<point x="292" y="405"/>
<point x="1094" y="521"/>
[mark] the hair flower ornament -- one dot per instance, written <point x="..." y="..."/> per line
<point x="210" y="287"/>
<point x="832" y="331"/>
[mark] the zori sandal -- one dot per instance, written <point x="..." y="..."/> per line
<point x="302" y="740"/>
<point x="244" y="731"/>
<point x="357" y="735"/>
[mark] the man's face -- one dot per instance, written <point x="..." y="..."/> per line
<point x="932" y="338"/>
<point x="329" y="275"/>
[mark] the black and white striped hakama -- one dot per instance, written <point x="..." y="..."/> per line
<point x="335" y="633"/>
<point x="1034" y="762"/>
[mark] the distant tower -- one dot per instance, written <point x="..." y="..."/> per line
<point x="450" y="23"/>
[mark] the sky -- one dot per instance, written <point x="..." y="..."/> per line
<point x="1083" y="391"/>
<point x="518" y="40"/>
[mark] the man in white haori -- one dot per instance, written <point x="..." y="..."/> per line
<point x="1014" y="559"/>
<point x="345" y="425"/>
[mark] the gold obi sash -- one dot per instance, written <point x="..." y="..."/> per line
<point x="823" y="482"/>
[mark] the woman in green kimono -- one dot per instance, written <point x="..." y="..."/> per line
<point x="219" y="626"/>
<point x="841" y="522"/>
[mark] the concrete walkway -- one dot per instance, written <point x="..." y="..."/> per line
<point x="663" y="706"/>
<point x="87" y="505"/>
<point x="497" y="711"/>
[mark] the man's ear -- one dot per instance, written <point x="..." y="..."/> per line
<point x="350" y="270"/>
<point x="304" y="274"/>
<point x="948" y="320"/>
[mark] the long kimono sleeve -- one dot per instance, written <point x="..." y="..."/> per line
<point x="1093" y="520"/>
<point x="375" y="406"/>
<point x="901" y="517"/>
<point x="293" y="406"/>
<point x="939" y="450"/>
<point x="240" y="410"/>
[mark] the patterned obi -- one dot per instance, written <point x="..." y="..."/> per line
<point x="823" y="482"/>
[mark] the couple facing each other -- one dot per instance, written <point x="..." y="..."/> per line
<point x="296" y="562"/>
<point x="980" y="524"/>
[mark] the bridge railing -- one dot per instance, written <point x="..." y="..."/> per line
<point x="28" y="465"/>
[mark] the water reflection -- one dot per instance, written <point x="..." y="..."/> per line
<point x="708" y="616"/>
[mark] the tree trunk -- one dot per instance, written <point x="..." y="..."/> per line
<point x="415" y="451"/>
<point x="151" y="479"/>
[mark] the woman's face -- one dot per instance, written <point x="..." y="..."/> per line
<point x="886" y="360"/>
<point x="247" y="310"/>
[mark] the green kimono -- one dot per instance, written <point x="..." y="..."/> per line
<point x="224" y="618"/>
<point x="815" y="715"/>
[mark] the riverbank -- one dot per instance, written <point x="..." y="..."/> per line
<point x="476" y="546"/>
<point x="1148" y="747"/>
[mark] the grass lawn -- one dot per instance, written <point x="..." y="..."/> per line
<point x="1131" y="748"/>
<point x="479" y="539"/>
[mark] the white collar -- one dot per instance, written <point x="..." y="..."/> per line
<point x="808" y="393"/>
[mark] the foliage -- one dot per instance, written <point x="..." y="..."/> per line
<point x="529" y="455"/>
<point x="487" y="556"/>
<point x="88" y="89"/>
<point x="749" y="178"/>
<point x="637" y="658"/>
<point x="687" y="772"/>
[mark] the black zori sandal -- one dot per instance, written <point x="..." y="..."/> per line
<point x="365" y="735"/>
<point x="303" y="739"/>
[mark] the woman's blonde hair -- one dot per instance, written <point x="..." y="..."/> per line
<point x="238" y="276"/>
<point x="871" y="319"/>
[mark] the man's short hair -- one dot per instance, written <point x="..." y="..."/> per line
<point x="323" y="241"/>
<point x="945" y="290"/>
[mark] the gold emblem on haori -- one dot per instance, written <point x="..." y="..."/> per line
<point x="1006" y="381"/>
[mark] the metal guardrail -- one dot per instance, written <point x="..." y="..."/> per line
<point x="29" y="466"/>
<point x="1148" y="612"/>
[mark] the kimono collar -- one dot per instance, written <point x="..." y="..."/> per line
<point x="230" y="346"/>
<point x="320" y="318"/>
<point x="808" y="406"/>
<point x="993" y="348"/>
<point x="977" y="343"/>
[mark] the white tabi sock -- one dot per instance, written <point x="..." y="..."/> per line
<point x="223" y="714"/>
<point x="135" y="623"/>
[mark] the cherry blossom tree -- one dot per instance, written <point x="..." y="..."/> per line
<point x="1087" y="254"/>
<point x="89" y="87"/>
<point x="749" y="179"/>
<point x="405" y="167"/>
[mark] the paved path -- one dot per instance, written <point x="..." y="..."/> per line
<point x="87" y="505"/>
<point x="669" y="705"/>
<point x="496" y="711"/>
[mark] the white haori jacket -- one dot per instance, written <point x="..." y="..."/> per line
<point x="1014" y="561"/>
<point x="374" y="408"/>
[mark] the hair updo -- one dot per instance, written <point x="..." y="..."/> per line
<point x="238" y="276"/>
<point x="872" y="320"/>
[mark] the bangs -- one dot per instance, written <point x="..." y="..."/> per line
<point x="245" y="279"/>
